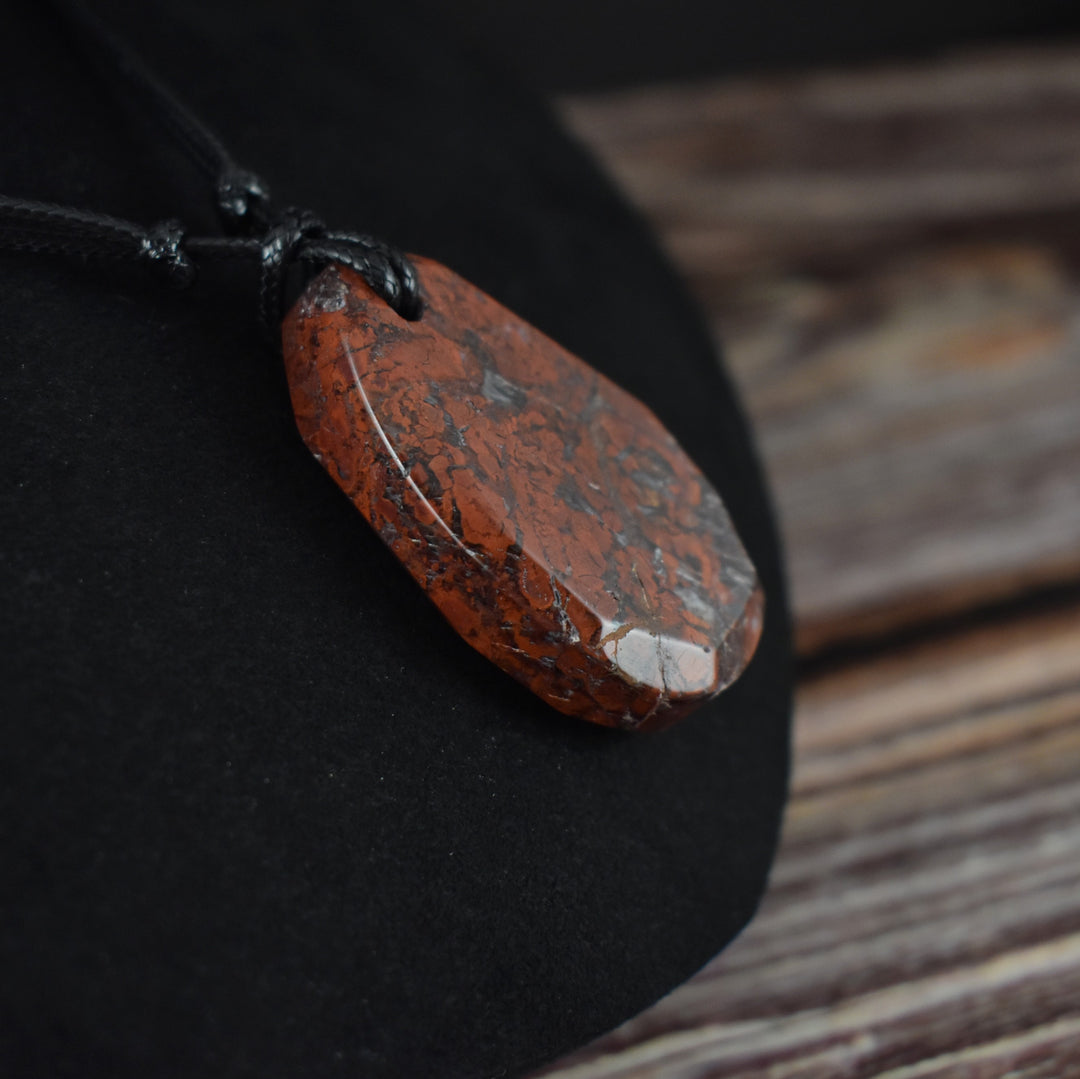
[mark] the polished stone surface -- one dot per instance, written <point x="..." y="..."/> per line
<point x="548" y="514"/>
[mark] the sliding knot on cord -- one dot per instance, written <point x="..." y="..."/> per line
<point x="243" y="201"/>
<point x="161" y="250"/>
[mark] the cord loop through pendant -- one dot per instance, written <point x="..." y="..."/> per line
<point x="298" y="235"/>
<point x="280" y="246"/>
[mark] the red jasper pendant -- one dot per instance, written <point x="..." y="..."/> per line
<point x="547" y="513"/>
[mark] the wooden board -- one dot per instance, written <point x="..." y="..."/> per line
<point x="891" y="258"/>
<point x="924" y="912"/>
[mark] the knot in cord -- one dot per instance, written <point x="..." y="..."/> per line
<point x="243" y="201"/>
<point x="300" y="236"/>
<point x="253" y="229"/>
<point x="161" y="250"/>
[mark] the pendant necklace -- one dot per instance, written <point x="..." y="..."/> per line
<point x="548" y="514"/>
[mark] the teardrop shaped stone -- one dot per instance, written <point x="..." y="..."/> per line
<point x="548" y="514"/>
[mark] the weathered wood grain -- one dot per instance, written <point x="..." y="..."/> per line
<point x="924" y="914"/>
<point x="892" y="260"/>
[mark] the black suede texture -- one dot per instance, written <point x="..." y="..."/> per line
<point x="263" y="813"/>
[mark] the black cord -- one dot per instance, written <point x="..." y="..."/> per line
<point x="243" y="199"/>
<point x="275" y="240"/>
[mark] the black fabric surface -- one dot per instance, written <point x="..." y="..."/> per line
<point x="578" y="44"/>
<point x="262" y="812"/>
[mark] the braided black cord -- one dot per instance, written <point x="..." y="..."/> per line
<point x="273" y="240"/>
<point x="297" y="236"/>
<point x="243" y="199"/>
<point x="42" y="228"/>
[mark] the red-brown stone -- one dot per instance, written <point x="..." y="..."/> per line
<point x="547" y="513"/>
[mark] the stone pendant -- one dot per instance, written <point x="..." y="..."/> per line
<point x="548" y="514"/>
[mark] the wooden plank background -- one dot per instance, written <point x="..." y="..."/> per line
<point x="892" y="260"/>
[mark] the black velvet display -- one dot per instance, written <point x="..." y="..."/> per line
<point x="263" y="813"/>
